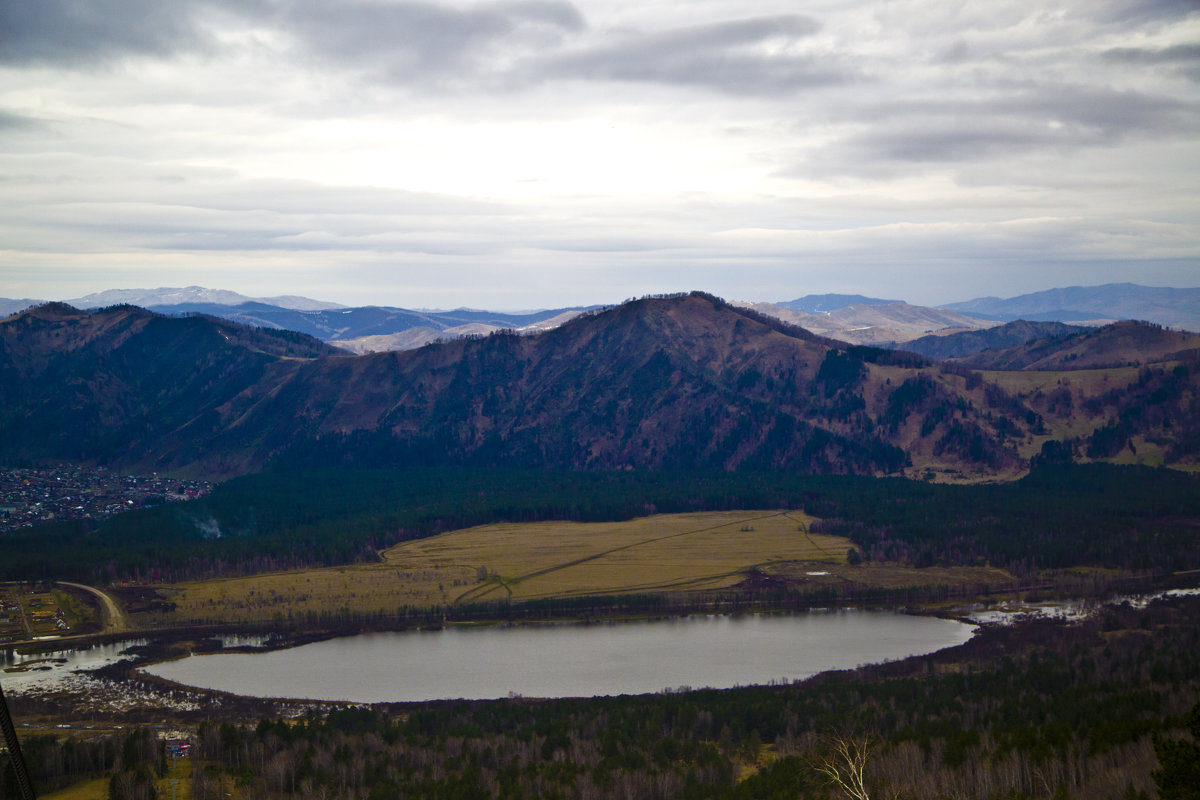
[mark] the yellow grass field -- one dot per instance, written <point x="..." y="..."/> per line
<point x="664" y="552"/>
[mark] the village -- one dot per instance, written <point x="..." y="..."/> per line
<point x="32" y="612"/>
<point x="31" y="497"/>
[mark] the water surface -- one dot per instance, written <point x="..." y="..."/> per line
<point x="571" y="660"/>
<point x="50" y="669"/>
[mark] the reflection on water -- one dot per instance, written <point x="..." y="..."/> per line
<point x="572" y="660"/>
<point x="50" y="669"/>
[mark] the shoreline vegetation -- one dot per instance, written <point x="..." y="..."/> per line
<point x="1040" y="708"/>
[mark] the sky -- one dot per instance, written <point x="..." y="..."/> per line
<point x="544" y="153"/>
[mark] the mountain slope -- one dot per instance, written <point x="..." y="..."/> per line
<point x="1164" y="306"/>
<point x="965" y="343"/>
<point x="878" y="325"/>
<point x="1122" y="344"/>
<point x="115" y="386"/>
<point x="678" y="383"/>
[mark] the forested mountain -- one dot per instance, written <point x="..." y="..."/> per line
<point x="113" y="386"/>
<point x="965" y="343"/>
<point x="686" y="381"/>
<point x="1122" y="344"/>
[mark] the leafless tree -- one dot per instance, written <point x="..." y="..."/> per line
<point x="845" y="765"/>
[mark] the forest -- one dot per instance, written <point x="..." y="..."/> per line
<point x="1129" y="518"/>
<point x="1105" y="708"/>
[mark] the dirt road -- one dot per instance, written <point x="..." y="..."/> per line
<point x="114" y="618"/>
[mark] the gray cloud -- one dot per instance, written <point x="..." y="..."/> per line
<point x="1140" y="12"/>
<point x="1053" y="118"/>
<point x="80" y="33"/>
<point x="19" y="122"/>
<point x="753" y="56"/>
<point x="646" y="145"/>
<point x="417" y="42"/>
<point x="407" y="40"/>
<point x="396" y="40"/>
<point x="1107" y="113"/>
<point x="1183" y="57"/>
<point x="1177" y="54"/>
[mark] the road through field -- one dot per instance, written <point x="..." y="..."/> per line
<point x="659" y="583"/>
<point x="523" y="561"/>
<point x="114" y="618"/>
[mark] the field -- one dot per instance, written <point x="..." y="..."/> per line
<point x="666" y="552"/>
<point x="176" y="784"/>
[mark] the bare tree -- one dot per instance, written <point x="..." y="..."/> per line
<point x="845" y="765"/>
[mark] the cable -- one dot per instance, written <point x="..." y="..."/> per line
<point x="14" y="750"/>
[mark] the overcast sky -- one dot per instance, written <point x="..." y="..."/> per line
<point x="538" y="153"/>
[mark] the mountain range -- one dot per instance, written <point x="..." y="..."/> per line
<point x="1177" y="308"/>
<point x="966" y="343"/>
<point x="852" y="318"/>
<point x="679" y="382"/>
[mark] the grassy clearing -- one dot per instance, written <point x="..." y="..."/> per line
<point x="526" y="561"/>
<point x="180" y="771"/>
<point x="88" y="790"/>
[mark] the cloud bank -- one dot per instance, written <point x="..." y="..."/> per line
<point x="537" y="152"/>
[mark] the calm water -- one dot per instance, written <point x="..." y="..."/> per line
<point x="571" y="660"/>
<point x="19" y="673"/>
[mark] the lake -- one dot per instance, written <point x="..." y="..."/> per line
<point x="571" y="660"/>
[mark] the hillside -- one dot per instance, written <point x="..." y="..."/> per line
<point x="966" y="343"/>
<point x="678" y="382"/>
<point x="1122" y="344"/>
<point x="876" y="324"/>
<point x="115" y="386"/>
<point x="682" y="382"/>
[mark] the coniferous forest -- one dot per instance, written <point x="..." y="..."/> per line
<point x="1059" y="516"/>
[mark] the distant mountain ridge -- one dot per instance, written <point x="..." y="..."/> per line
<point x="169" y="296"/>
<point x="348" y="324"/>
<point x="966" y="343"/>
<point x="824" y="303"/>
<point x="858" y="319"/>
<point x="877" y="325"/>
<point x="1122" y="344"/>
<point x="10" y="306"/>
<point x="1162" y="305"/>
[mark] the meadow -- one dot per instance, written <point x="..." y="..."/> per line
<point x="525" y="561"/>
<point x="521" y="562"/>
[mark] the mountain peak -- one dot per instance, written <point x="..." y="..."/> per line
<point x="824" y="303"/>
